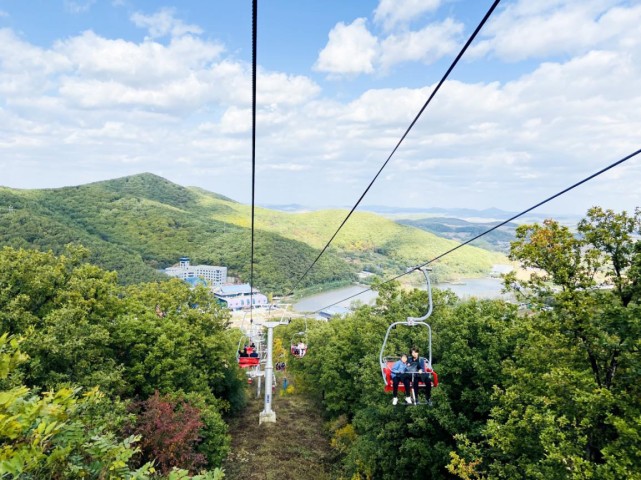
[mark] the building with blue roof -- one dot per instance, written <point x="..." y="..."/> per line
<point x="238" y="297"/>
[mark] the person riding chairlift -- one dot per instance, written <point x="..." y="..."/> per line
<point x="399" y="374"/>
<point x="417" y="369"/>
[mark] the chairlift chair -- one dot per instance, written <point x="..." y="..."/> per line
<point x="246" y="362"/>
<point x="298" y="346"/>
<point x="299" y="343"/>
<point x="387" y="361"/>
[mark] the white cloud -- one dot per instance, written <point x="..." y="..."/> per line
<point x="351" y="49"/>
<point x="427" y="45"/>
<point x="90" y="108"/>
<point x="287" y="167"/>
<point x="74" y="6"/>
<point x="235" y="120"/>
<point x="164" y="23"/>
<point x="95" y="56"/>
<point x="391" y="13"/>
<point x="528" y="29"/>
<point x="279" y="88"/>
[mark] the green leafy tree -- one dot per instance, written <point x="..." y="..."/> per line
<point x="80" y="328"/>
<point x="57" y="434"/>
<point x="471" y="340"/>
<point x="569" y="405"/>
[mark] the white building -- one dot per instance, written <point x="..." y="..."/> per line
<point x="214" y="276"/>
<point x="237" y="297"/>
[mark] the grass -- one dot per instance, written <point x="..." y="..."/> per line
<point x="296" y="447"/>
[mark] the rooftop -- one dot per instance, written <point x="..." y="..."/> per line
<point x="227" y="290"/>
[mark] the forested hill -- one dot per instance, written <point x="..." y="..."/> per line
<point x="463" y="230"/>
<point x="139" y="224"/>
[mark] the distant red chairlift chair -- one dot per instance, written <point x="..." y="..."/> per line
<point x="246" y="362"/>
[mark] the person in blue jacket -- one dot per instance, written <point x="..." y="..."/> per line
<point x="418" y="373"/>
<point x="399" y="374"/>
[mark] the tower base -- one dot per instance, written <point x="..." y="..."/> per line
<point x="267" y="417"/>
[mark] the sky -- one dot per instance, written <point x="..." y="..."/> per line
<point x="549" y="93"/>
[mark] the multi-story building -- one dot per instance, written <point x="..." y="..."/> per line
<point x="214" y="276"/>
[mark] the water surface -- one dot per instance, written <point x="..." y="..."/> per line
<point x="472" y="287"/>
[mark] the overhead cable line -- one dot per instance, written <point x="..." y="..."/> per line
<point x="418" y="115"/>
<point x="254" y="49"/>
<point x="514" y="217"/>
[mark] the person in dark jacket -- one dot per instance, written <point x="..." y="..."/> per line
<point x="399" y="374"/>
<point x="417" y="369"/>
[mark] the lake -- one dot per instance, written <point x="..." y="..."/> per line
<point x="471" y="287"/>
<point x="320" y="300"/>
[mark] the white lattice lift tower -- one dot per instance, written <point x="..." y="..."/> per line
<point x="268" y="415"/>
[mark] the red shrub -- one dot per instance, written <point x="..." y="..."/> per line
<point x="170" y="433"/>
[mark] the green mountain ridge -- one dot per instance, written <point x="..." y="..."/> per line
<point x="139" y="224"/>
<point x="462" y="231"/>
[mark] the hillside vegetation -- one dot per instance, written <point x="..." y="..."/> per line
<point x="136" y="225"/>
<point x="551" y="393"/>
<point x="105" y="381"/>
<point x="139" y="224"/>
<point x="370" y="241"/>
<point x="462" y="231"/>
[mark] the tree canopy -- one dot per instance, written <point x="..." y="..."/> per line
<point x="99" y="373"/>
<point x="549" y="391"/>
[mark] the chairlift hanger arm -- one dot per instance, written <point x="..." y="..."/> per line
<point x="424" y="270"/>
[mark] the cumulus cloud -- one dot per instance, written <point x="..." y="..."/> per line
<point x="558" y="27"/>
<point x="351" y="49"/>
<point x="96" y="56"/>
<point x="288" y="167"/>
<point x="426" y="45"/>
<point x="391" y="13"/>
<point x="88" y="108"/>
<point x="163" y="23"/>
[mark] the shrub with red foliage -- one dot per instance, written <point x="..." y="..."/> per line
<point x="170" y="433"/>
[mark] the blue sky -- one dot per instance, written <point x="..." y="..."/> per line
<point x="549" y="93"/>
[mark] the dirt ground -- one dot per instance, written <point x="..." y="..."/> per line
<point x="241" y="318"/>
<point x="295" y="447"/>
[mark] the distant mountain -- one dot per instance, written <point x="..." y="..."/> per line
<point x="492" y="213"/>
<point x="141" y="223"/>
<point x="290" y="207"/>
<point x="462" y="231"/>
<point x="372" y="242"/>
<point x="469" y="214"/>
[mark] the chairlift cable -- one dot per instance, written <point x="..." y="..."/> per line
<point x="514" y="217"/>
<point x="254" y="50"/>
<point x="407" y="131"/>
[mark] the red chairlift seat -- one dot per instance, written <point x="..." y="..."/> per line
<point x="388" y="377"/>
<point x="246" y="362"/>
